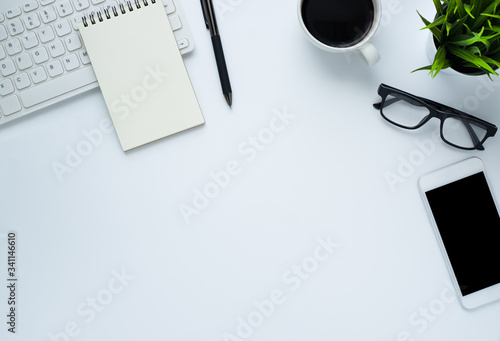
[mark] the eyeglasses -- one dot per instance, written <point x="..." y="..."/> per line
<point x="458" y="129"/>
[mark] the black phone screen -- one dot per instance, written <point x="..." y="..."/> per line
<point x="469" y="224"/>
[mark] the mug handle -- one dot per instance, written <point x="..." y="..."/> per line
<point x="368" y="54"/>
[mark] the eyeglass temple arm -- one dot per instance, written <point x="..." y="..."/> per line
<point x="456" y="111"/>
<point x="463" y="115"/>
<point x="388" y="102"/>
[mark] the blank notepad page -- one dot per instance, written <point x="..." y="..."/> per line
<point x="141" y="73"/>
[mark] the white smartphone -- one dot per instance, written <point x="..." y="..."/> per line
<point x="466" y="221"/>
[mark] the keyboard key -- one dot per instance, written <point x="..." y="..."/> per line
<point x="10" y="105"/>
<point x="55" y="68"/>
<point x="56" y="49"/>
<point x="123" y="2"/>
<point x="31" y="21"/>
<point x="30" y="6"/>
<point x="169" y="6"/>
<point x="81" y="4"/>
<point x="64" y="8"/>
<point x="57" y="87"/>
<point x="22" y="81"/>
<point x="46" y="34"/>
<point x="6" y="87"/>
<point x="84" y="57"/>
<point x="109" y="6"/>
<point x="13" y="12"/>
<point x="48" y="15"/>
<point x="13" y="46"/>
<point x="183" y="43"/>
<point x="38" y="74"/>
<point x="23" y="61"/>
<point x="30" y="40"/>
<point x="75" y="19"/>
<point x="7" y="67"/>
<point x="93" y="12"/>
<point x="175" y="22"/>
<point x="71" y="62"/>
<point x="15" y="27"/>
<point x="3" y="33"/>
<point x="62" y="28"/>
<point x="73" y="43"/>
<point x="40" y="55"/>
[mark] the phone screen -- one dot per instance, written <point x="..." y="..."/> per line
<point x="469" y="224"/>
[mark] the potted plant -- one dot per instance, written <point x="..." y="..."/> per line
<point x="466" y="34"/>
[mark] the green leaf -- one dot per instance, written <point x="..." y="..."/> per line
<point x="479" y="7"/>
<point x="491" y="15"/>
<point x="438" y="22"/>
<point x="439" y="61"/>
<point x="448" y="28"/>
<point x="437" y="33"/>
<point x="428" y="67"/>
<point x="482" y="18"/>
<point x="457" y="27"/>
<point x="471" y="58"/>
<point x="469" y="31"/>
<point x="482" y="39"/>
<point x="460" y="8"/>
<point x="468" y="10"/>
<point x="494" y="28"/>
<point x="491" y="61"/>
<point x="475" y="50"/>
<point x="463" y="40"/>
<point x="439" y="6"/>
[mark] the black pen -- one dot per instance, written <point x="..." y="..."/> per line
<point x="209" y="15"/>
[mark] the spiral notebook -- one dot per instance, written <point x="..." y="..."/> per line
<point x="141" y="73"/>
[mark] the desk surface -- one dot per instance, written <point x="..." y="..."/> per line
<point x="295" y="215"/>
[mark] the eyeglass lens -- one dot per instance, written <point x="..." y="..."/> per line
<point x="404" y="111"/>
<point x="463" y="133"/>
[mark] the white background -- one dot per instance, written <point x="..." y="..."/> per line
<point x="323" y="176"/>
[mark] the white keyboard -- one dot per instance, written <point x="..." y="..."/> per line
<point x="42" y="56"/>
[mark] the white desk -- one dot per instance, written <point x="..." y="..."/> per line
<point x="105" y="254"/>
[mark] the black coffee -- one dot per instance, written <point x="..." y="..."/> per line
<point x="338" y="23"/>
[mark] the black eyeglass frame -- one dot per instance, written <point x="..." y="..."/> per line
<point x="437" y="110"/>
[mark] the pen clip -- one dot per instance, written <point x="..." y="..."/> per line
<point x="205" y="12"/>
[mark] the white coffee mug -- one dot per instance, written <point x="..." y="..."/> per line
<point x="363" y="48"/>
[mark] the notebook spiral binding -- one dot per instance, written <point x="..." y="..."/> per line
<point x="121" y="8"/>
